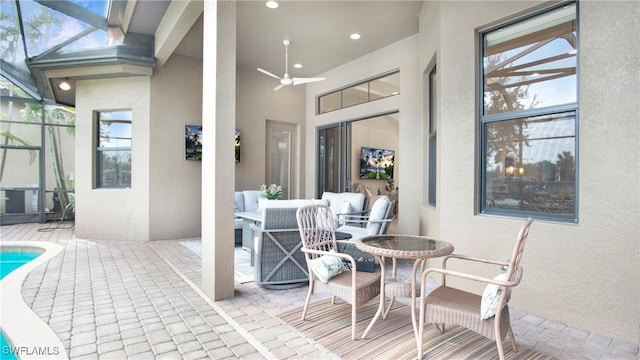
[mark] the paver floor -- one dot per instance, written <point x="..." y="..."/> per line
<point x="126" y="299"/>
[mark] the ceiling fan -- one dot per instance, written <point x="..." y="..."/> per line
<point x="286" y="80"/>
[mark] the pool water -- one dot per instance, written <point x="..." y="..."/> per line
<point x="9" y="261"/>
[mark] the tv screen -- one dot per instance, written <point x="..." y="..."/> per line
<point x="193" y="142"/>
<point x="376" y="164"/>
<point x="237" y="145"/>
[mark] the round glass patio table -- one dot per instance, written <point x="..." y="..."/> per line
<point x="395" y="247"/>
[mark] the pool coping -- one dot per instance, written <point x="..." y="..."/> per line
<point x="28" y="335"/>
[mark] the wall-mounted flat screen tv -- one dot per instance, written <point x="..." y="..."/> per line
<point x="376" y="164"/>
<point x="193" y="142"/>
<point x="237" y="145"/>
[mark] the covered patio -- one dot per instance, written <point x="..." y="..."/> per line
<point x="119" y="299"/>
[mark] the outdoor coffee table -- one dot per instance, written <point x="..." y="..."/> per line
<point x="419" y="248"/>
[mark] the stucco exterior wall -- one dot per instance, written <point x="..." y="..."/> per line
<point x="584" y="274"/>
<point x="257" y="103"/>
<point x="176" y="184"/>
<point x="121" y="214"/>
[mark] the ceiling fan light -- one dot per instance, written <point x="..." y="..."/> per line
<point x="272" y="4"/>
<point x="64" y="85"/>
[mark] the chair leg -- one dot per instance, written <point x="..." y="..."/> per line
<point x="500" y="349"/>
<point x="386" y="312"/>
<point x="498" y="335"/>
<point x="306" y="303"/>
<point x="333" y="300"/>
<point x="353" y="320"/>
<point x="514" y="346"/>
<point x="421" y="326"/>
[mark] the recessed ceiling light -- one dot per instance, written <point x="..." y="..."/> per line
<point x="64" y="85"/>
<point x="355" y="36"/>
<point x="271" y="4"/>
<point x="298" y="66"/>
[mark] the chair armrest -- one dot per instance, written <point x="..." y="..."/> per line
<point x="256" y="228"/>
<point x="368" y="221"/>
<point x="471" y="258"/>
<point x="471" y="277"/>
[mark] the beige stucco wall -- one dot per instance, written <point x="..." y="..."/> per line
<point x="257" y="103"/>
<point x="121" y="214"/>
<point x="585" y="274"/>
<point x="175" y="183"/>
<point x="164" y="201"/>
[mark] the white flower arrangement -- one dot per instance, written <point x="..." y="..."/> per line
<point x="272" y="191"/>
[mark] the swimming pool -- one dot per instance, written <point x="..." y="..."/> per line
<point x="9" y="261"/>
<point x="29" y="337"/>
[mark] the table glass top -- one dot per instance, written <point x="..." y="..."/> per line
<point x="404" y="243"/>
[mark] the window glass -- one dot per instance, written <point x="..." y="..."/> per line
<point x="529" y="132"/>
<point x="531" y="164"/>
<point x="384" y="86"/>
<point x="433" y="140"/>
<point x="378" y="88"/>
<point x="355" y="95"/>
<point x="114" y="149"/>
<point x="330" y="102"/>
<point x="532" y="63"/>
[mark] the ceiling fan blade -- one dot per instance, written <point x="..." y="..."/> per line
<point x="297" y="81"/>
<point x="278" y="87"/>
<point x="268" y="73"/>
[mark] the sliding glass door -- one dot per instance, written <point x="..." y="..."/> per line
<point x="334" y="158"/>
<point x="340" y="154"/>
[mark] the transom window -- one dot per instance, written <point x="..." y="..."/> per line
<point x="113" y="151"/>
<point x="529" y="116"/>
<point x="370" y="90"/>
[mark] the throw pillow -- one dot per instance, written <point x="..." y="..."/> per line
<point x="491" y="298"/>
<point x="345" y="208"/>
<point x="326" y="266"/>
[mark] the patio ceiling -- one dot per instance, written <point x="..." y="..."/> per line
<point x="49" y="41"/>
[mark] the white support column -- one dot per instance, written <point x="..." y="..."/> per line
<point x="218" y="128"/>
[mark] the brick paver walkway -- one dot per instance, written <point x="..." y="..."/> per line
<point x="125" y="299"/>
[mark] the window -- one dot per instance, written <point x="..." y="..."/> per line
<point x="432" y="136"/>
<point x="113" y="151"/>
<point x="366" y="91"/>
<point x="529" y="115"/>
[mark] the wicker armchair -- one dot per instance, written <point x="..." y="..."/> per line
<point x="453" y="306"/>
<point x="317" y="231"/>
<point x="279" y="262"/>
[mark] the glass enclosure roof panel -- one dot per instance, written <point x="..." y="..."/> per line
<point x="7" y="88"/>
<point x="45" y="28"/>
<point x="11" y="44"/>
<point x="93" y="40"/>
<point x="96" y="6"/>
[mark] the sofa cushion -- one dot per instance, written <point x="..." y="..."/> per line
<point x="356" y="232"/>
<point x="378" y="212"/>
<point x="292" y="203"/>
<point x="251" y="199"/>
<point x="238" y="202"/>
<point x="337" y="201"/>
